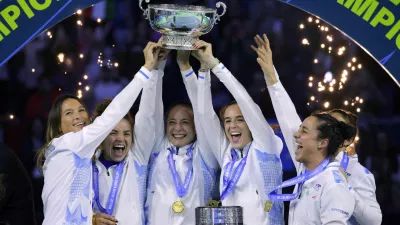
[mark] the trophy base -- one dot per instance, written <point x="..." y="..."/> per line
<point x="224" y="215"/>
<point x="179" y="42"/>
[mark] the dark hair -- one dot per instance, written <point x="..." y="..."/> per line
<point x="102" y="106"/>
<point x="350" y="119"/>
<point x="333" y="130"/>
<point x="223" y="109"/>
<point x="53" y="127"/>
<point x="347" y="115"/>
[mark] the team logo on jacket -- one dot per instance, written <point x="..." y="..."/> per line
<point x="317" y="187"/>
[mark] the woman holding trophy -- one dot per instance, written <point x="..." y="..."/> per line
<point x="120" y="168"/>
<point x="246" y="147"/>
<point x="72" y="139"/>
<point x="182" y="169"/>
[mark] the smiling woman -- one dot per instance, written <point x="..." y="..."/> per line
<point x="65" y="110"/>
<point x="72" y="141"/>
<point x="246" y="147"/>
<point x="117" y="144"/>
<point x="74" y="115"/>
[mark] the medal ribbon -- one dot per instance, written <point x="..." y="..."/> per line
<point x="297" y="180"/>
<point x="181" y="190"/>
<point x="229" y="182"/>
<point x="114" y="187"/>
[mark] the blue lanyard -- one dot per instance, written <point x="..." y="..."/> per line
<point x="114" y="187"/>
<point x="297" y="180"/>
<point x="181" y="190"/>
<point x="229" y="181"/>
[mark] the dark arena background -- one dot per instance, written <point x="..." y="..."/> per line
<point x="94" y="53"/>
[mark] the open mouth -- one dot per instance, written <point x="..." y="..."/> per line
<point x="179" y="136"/>
<point x="298" y="146"/>
<point x="80" y="124"/>
<point x="235" y="136"/>
<point x="119" y="150"/>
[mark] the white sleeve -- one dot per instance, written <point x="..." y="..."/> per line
<point x="260" y="129"/>
<point x="286" y="114"/>
<point x="337" y="205"/>
<point x="144" y="129"/>
<point x="159" y="109"/>
<point x="190" y="81"/>
<point x="209" y="120"/>
<point x="85" y="142"/>
<point x="367" y="210"/>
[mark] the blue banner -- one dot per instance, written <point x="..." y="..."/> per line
<point x="373" y="24"/>
<point x="23" y="20"/>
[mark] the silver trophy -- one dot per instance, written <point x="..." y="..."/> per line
<point x="181" y="25"/>
<point x="226" y="215"/>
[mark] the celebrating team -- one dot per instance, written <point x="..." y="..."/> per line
<point x="112" y="169"/>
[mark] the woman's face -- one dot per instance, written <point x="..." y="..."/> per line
<point x="307" y="142"/>
<point x="236" y="129"/>
<point x="180" y="126"/>
<point x="117" y="144"/>
<point x="73" y="116"/>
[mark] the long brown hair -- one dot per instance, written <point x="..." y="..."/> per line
<point x="53" y="127"/>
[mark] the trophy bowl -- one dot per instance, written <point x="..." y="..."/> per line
<point x="181" y="25"/>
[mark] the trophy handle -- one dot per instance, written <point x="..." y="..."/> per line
<point x="217" y="16"/>
<point x="145" y="11"/>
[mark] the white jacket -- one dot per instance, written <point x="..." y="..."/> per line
<point x="362" y="183"/>
<point x="161" y="193"/>
<point x="67" y="193"/>
<point x="263" y="171"/>
<point x="132" y="191"/>
<point x="324" y="199"/>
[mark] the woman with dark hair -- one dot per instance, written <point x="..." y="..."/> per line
<point x="350" y="119"/>
<point x="66" y="161"/>
<point x="245" y="146"/>
<point x="120" y="167"/>
<point x="367" y="210"/>
<point x="321" y="194"/>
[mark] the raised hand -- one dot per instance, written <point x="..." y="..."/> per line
<point x="204" y="54"/>
<point x="264" y="59"/>
<point x="163" y="51"/>
<point x="151" y="55"/>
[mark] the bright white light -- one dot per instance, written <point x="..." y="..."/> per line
<point x="328" y="77"/>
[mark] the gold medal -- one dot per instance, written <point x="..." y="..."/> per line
<point x="178" y="207"/>
<point x="268" y="206"/>
<point x="212" y="203"/>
